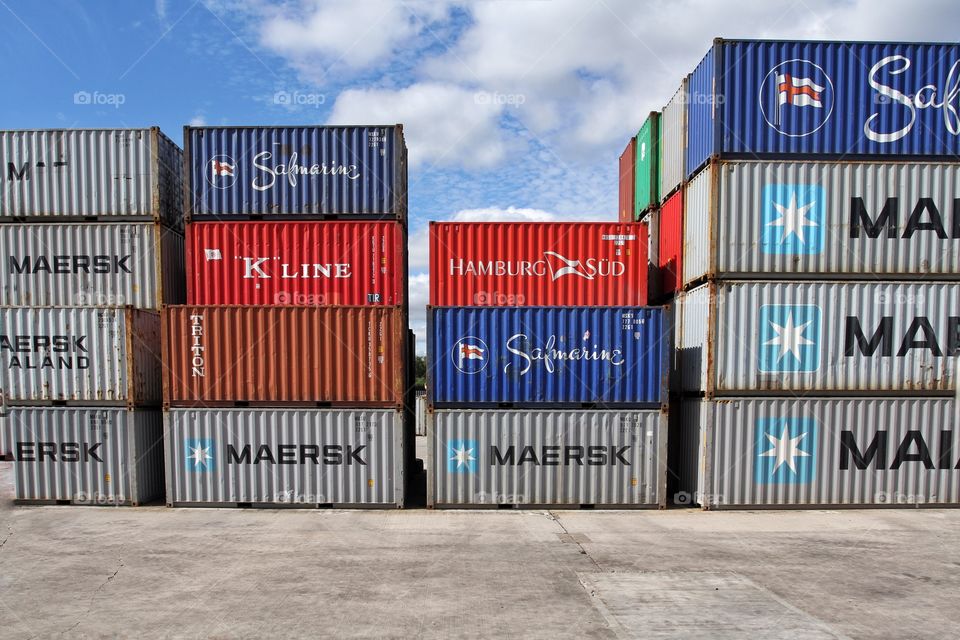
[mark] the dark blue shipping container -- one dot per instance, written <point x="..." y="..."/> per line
<point x="547" y="355"/>
<point x="235" y="173"/>
<point x="771" y="99"/>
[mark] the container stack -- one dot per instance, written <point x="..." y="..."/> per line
<point x="818" y="327"/>
<point x="288" y="372"/>
<point x="92" y="246"/>
<point x="547" y="373"/>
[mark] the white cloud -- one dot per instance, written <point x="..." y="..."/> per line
<point x="198" y="120"/>
<point x="419" y="295"/>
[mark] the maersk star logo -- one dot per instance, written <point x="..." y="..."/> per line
<point x="792" y="219"/>
<point x="789" y="338"/>
<point x="462" y="456"/>
<point x="199" y="455"/>
<point x="785" y="451"/>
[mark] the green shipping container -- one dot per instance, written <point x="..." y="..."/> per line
<point x="647" y="193"/>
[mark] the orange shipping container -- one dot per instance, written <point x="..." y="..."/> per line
<point x="316" y="356"/>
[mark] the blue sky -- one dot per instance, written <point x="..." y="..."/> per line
<point x="513" y="109"/>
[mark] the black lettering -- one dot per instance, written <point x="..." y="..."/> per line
<point x="929" y="341"/>
<point x="551" y="456"/>
<point x="889" y="217"/>
<point x="528" y="455"/>
<point x="264" y="453"/>
<point x="573" y="453"/>
<point x="332" y="454"/>
<point x="848" y="447"/>
<point x="508" y="457"/>
<point x="935" y="223"/>
<point x="234" y="458"/>
<point x="882" y="338"/>
<point x="26" y="452"/>
<point x="287" y="453"/>
<point x="21" y="267"/>
<point x="354" y="455"/>
<point x="22" y="174"/>
<point x="70" y="452"/>
<point x="596" y="456"/>
<point x="903" y="451"/>
<point x="619" y="455"/>
<point x="309" y="452"/>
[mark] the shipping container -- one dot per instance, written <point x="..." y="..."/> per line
<point x="6" y="448"/>
<point x="284" y="457"/>
<point x="317" y="356"/>
<point x="654" y="279"/>
<point x="628" y="182"/>
<point x="823" y="452"/>
<point x="55" y="175"/>
<point x="82" y="356"/>
<point x="547" y="458"/>
<point x="558" y="355"/>
<point x="754" y="98"/>
<point x="87" y="456"/>
<point x="296" y="263"/>
<point x="535" y="263"/>
<point x="295" y="172"/>
<point x="880" y="338"/>
<point x="647" y="186"/>
<point x="91" y="265"/>
<point x="670" y="252"/>
<point x="673" y="141"/>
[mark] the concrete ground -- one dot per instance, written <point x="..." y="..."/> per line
<point x="158" y="572"/>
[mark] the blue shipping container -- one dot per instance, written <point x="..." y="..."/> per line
<point x="773" y="98"/>
<point x="556" y="355"/>
<point x="295" y="172"/>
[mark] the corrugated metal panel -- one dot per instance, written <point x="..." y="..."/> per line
<point x="628" y="184"/>
<point x="90" y="265"/>
<point x="817" y="218"/>
<point x="670" y="254"/>
<point x="296" y="171"/>
<point x="547" y="355"/>
<point x="284" y="354"/>
<point x="673" y="141"/>
<point x="610" y="458"/>
<point x="654" y="279"/>
<point x="825" y="452"/>
<point x="647" y="172"/>
<point x="838" y="98"/>
<point x="6" y="448"/>
<point x="420" y="412"/>
<point x="87" y="456"/>
<point x="296" y="263"/>
<point x="303" y="457"/>
<point x="860" y="337"/>
<point x="694" y="310"/>
<point x="701" y="114"/>
<point x="529" y="264"/>
<point x="80" y="355"/>
<point x="56" y="174"/>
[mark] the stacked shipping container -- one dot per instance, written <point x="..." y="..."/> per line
<point x="546" y="370"/>
<point x="92" y="245"/>
<point x="288" y="373"/>
<point x="817" y="332"/>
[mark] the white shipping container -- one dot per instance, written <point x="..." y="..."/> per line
<point x="546" y="457"/>
<point x="821" y="452"/>
<point x="673" y="141"/>
<point x="105" y="174"/>
<point x="87" y="456"/>
<point x="764" y="338"/>
<point x="91" y="265"/>
<point x="80" y="355"/>
<point x="774" y="220"/>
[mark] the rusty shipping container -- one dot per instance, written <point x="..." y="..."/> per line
<point x="670" y="238"/>
<point x="308" y="356"/>
<point x="82" y="356"/>
<point x="55" y="175"/>
<point x="296" y="263"/>
<point x="628" y="183"/>
<point x="538" y="263"/>
<point x="91" y="265"/>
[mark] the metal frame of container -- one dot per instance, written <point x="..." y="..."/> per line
<point x="398" y="210"/>
<point x="280" y="457"/>
<point x="121" y="347"/>
<point x="647" y="185"/>
<point x="76" y="195"/>
<point x="670" y="240"/>
<point x="673" y="142"/>
<point x="627" y="182"/>
<point x="823" y="452"/>
<point x="127" y="457"/>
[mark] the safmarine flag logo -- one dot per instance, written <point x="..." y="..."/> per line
<point x="469" y="355"/>
<point x="785" y="451"/>
<point x="199" y="455"/>
<point x="792" y="219"/>
<point x="462" y="456"/>
<point x="789" y="338"/>
<point x="796" y="98"/>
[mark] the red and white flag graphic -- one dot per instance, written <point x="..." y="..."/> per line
<point x="799" y="92"/>
<point x="219" y="168"/>
<point x="470" y="352"/>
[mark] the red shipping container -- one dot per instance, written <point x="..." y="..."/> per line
<point x="628" y="183"/>
<point x="295" y="263"/>
<point x="538" y="264"/>
<point x="670" y="260"/>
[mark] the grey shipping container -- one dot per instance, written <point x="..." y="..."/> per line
<point x="91" y="265"/>
<point x="810" y="452"/>
<point x="771" y="220"/>
<point x="80" y="355"/>
<point x="834" y="338"/>
<point x="285" y="457"/>
<point x="90" y="456"/>
<point x="5" y="447"/>
<point x="673" y="141"/>
<point x="546" y="457"/>
<point x="54" y="175"/>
